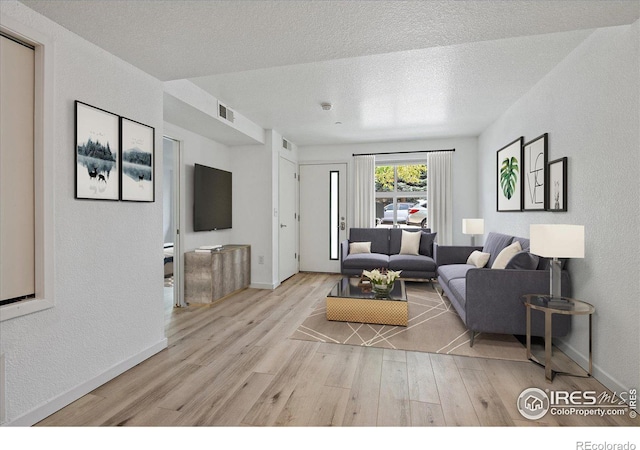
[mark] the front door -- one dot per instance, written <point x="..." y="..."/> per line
<point x="323" y="218"/>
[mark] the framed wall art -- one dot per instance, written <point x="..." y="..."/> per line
<point x="509" y="180"/>
<point x="138" y="164"/>
<point x="97" y="153"/>
<point x="557" y="191"/>
<point x="534" y="166"/>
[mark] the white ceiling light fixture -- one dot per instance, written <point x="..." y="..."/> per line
<point x="326" y="106"/>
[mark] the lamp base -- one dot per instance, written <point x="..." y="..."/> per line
<point x="556" y="280"/>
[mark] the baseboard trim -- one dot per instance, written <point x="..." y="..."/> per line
<point x="598" y="373"/>
<point x="57" y="403"/>
<point x="269" y="286"/>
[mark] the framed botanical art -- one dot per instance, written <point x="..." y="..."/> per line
<point x="97" y="153"/>
<point x="138" y="177"/>
<point x="534" y="166"/>
<point x="557" y="191"/>
<point x="509" y="180"/>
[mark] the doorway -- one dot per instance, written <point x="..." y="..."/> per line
<point x="323" y="216"/>
<point x="288" y="231"/>
<point x="173" y="259"/>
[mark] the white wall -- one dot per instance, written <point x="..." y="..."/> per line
<point x="465" y="195"/>
<point x="108" y="294"/>
<point x="589" y="106"/>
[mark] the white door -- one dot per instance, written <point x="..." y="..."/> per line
<point x="287" y="193"/>
<point x="323" y="218"/>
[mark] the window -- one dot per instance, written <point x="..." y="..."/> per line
<point x="401" y="195"/>
<point x="39" y="295"/>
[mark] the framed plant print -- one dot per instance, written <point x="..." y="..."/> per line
<point x="97" y="153"/>
<point x="138" y="164"/>
<point x="557" y="185"/>
<point x="534" y="166"/>
<point x="509" y="180"/>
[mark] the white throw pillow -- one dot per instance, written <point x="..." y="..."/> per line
<point x="410" y="243"/>
<point x="505" y="255"/>
<point x="478" y="259"/>
<point x="359" y="247"/>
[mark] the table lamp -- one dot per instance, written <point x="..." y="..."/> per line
<point x="473" y="227"/>
<point x="557" y="241"/>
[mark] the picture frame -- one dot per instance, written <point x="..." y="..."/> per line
<point x="97" y="150"/>
<point x="509" y="177"/>
<point x="138" y="161"/>
<point x="557" y="178"/>
<point x="534" y="179"/>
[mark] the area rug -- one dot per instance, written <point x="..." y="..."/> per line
<point x="434" y="327"/>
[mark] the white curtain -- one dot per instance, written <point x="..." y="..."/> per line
<point x="365" y="191"/>
<point x="439" y="198"/>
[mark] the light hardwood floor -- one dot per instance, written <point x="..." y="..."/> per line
<point x="233" y="364"/>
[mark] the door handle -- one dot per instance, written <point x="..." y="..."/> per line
<point x="343" y="226"/>
<point x="283" y="225"/>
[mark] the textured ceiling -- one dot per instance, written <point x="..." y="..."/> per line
<point x="393" y="69"/>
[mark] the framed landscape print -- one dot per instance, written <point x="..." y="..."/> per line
<point x="509" y="180"/>
<point x="138" y="177"/>
<point x="534" y="166"/>
<point x="557" y="185"/>
<point x="97" y="153"/>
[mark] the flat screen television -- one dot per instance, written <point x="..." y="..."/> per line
<point x="212" y="199"/>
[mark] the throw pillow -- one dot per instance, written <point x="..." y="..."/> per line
<point x="410" y="243"/>
<point x="524" y="261"/>
<point x="426" y="243"/>
<point x="478" y="259"/>
<point x="359" y="247"/>
<point x="505" y="255"/>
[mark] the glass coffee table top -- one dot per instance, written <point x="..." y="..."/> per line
<point x="353" y="288"/>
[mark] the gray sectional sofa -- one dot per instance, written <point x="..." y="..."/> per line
<point x="385" y="253"/>
<point x="490" y="300"/>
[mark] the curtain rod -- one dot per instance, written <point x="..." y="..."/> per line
<point x="400" y="153"/>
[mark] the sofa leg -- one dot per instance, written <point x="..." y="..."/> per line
<point x="473" y="335"/>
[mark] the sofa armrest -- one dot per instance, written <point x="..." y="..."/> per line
<point x="344" y="251"/>
<point x="452" y="254"/>
<point x="494" y="299"/>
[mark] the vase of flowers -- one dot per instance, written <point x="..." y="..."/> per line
<point x="382" y="281"/>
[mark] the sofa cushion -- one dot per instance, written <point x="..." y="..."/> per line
<point x="545" y="263"/>
<point x="359" y="247"/>
<point x="395" y="238"/>
<point x="494" y="244"/>
<point x="366" y="261"/>
<point x="524" y="243"/>
<point x="459" y="288"/>
<point x="505" y="255"/>
<point x="454" y="271"/>
<point x="426" y="243"/>
<point x="414" y="263"/>
<point x="478" y="259"/>
<point x="410" y="244"/>
<point x="379" y="238"/>
<point x="524" y="261"/>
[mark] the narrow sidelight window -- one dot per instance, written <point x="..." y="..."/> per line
<point x="334" y="222"/>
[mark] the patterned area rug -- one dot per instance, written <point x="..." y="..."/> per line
<point x="434" y="327"/>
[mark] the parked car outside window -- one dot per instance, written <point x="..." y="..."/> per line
<point x="417" y="214"/>
<point x="403" y="212"/>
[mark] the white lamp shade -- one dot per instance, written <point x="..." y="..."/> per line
<point x="557" y="240"/>
<point x="472" y="226"/>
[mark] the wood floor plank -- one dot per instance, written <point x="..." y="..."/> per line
<point x="422" y="383"/>
<point x="394" y="408"/>
<point x="345" y="365"/>
<point x="426" y="415"/>
<point x="362" y="408"/>
<point x="489" y="408"/>
<point x="454" y="398"/>
<point x="330" y="407"/>
<point x="73" y="412"/>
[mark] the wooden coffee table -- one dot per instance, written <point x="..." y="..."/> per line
<point x="350" y="302"/>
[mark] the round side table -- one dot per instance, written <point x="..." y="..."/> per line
<point x="550" y="306"/>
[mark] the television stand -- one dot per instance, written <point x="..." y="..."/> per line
<point x="212" y="275"/>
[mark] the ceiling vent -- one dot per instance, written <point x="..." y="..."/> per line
<point x="286" y="144"/>
<point x="225" y="113"/>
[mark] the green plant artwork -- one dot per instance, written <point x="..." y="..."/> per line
<point x="509" y="176"/>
